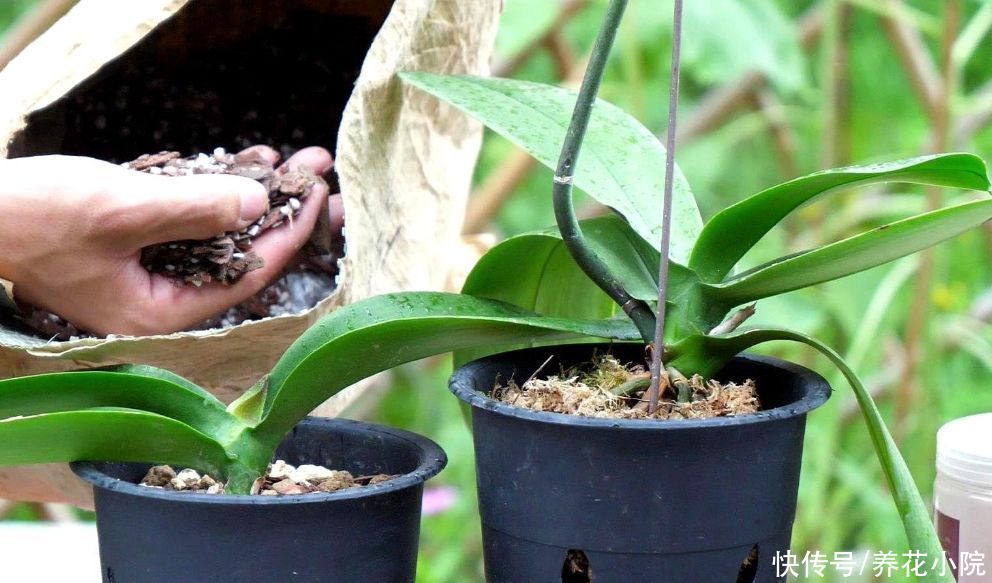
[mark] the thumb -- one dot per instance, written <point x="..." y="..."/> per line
<point x="193" y="207"/>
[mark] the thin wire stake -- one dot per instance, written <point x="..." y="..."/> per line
<point x="666" y="218"/>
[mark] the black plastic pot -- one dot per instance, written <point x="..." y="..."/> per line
<point x="369" y="534"/>
<point x="638" y="500"/>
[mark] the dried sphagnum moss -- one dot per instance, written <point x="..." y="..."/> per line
<point x="586" y="391"/>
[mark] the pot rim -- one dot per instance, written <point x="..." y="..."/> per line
<point x="432" y="461"/>
<point x="818" y="393"/>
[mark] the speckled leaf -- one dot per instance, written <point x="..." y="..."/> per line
<point x="622" y="162"/>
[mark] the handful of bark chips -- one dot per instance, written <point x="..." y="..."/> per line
<point x="228" y="256"/>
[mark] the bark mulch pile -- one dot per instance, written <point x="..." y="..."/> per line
<point x="281" y="479"/>
<point x="597" y="389"/>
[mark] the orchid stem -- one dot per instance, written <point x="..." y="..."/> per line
<point x="568" y="224"/>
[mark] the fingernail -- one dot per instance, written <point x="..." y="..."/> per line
<point x="253" y="203"/>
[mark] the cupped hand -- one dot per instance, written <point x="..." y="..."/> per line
<point x="72" y="230"/>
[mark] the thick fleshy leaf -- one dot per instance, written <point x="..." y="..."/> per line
<point x="622" y="163"/>
<point x="536" y="272"/>
<point x="108" y="434"/>
<point x="550" y="283"/>
<point x="734" y="230"/>
<point x="707" y="354"/>
<point x="379" y="333"/>
<point x="852" y="255"/>
<point x="159" y="373"/>
<point x="140" y="388"/>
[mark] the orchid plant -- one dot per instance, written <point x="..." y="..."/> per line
<point x="584" y="281"/>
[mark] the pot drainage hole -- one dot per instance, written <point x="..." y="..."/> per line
<point x="749" y="566"/>
<point x="576" y="568"/>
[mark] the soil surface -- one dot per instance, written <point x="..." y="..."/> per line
<point x="281" y="479"/>
<point x="228" y="256"/>
<point x="608" y="388"/>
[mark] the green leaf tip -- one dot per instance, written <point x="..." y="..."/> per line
<point x="733" y="231"/>
<point x="921" y="534"/>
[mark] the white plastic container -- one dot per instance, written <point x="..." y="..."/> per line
<point x="963" y="496"/>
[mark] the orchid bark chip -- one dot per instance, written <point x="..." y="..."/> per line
<point x="227" y="257"/>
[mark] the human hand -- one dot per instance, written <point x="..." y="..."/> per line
<point x="72" y="229"/>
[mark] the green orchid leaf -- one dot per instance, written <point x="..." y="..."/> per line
<point x="135" y="387"/>
<point x="161" y="374"/>
<point x="852" y="255"/>
<point x="376" y="334"/>
<point x="549" y="282"/>
<point x="622" y="161"/>
<point x="709" y="353"/>
<point x="733" y="231"/>
<point x="108" y="434"/>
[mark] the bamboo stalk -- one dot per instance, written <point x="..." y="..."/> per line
<point x="978" y="116"/>
<point x="835" y="134"/>
<point x="561" y="53"/>
<point x="714" y="108"/>
<point x="52" y="512"/>
<point x="832" y="71"/>
<point x="843" y="138"/>
<point x="569" y="9"/>
<point x="783" y="138"/>
<point x="489" y="198"/>
<point x="912" y="51"/>
<point x="919" y="314"/>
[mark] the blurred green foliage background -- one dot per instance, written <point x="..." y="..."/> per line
<point x="772" y="89"/>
